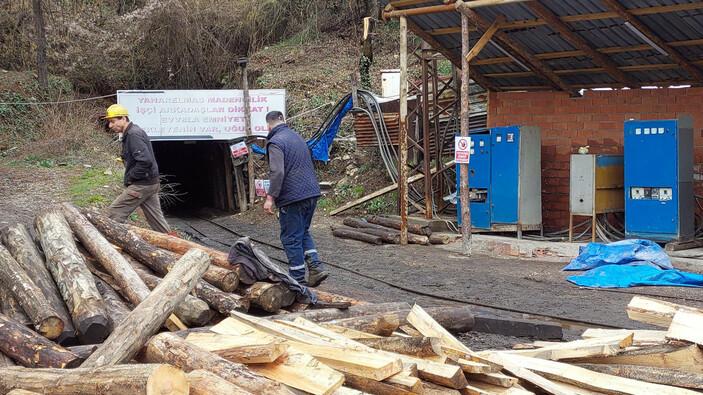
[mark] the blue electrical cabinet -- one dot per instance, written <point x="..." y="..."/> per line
<point x="659" y="179"/>
<point x="505" y="179"/>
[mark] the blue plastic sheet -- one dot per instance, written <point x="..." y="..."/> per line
<point x="620" y="252"/>
<point x="321" y="147"/>
<point x="633" y="275"/>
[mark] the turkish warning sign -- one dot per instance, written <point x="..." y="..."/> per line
<point x="462" y="149"/>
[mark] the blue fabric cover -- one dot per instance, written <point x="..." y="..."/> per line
<point x="620" y="252"/>
<point x="633" y="275"/>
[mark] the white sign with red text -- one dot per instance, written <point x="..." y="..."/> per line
<point x="262" y="187"/>
<point x="239" y="149"/>
<point x="200" y="114"/>
<point x="462" y="149"/>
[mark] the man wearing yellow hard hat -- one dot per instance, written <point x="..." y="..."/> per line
<point x="141" y="174"/>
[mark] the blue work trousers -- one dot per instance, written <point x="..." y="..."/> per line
<point x="295" y="221"/>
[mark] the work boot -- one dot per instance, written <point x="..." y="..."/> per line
<point x="316" y="275"/>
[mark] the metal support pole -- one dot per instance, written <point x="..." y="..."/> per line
<point x="247" y="128"/>
<point x="403" y="136"/>
<point x="426" y="138"/>
<point x="464" y="167"/>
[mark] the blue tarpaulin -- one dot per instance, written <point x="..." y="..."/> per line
<point x="320" y="147"/>
<point x="620" y="252"/>
<point x="623" y="276"/>
<point x="628" y="263"/>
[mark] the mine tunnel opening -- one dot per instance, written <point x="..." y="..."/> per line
<point x="197" y="175"/>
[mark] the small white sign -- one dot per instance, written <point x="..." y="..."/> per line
<point x="262" y="187"/>
<point x="239" y="149"/>
<point x="462" y="150"/>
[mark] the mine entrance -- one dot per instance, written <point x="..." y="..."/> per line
<point x="197" y="175"/>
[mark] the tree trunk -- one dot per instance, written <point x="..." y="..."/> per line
<point x="75" y="282"/>
<point x="332" y="298"/>
<point x="40" y="31"/>
<point x="21" y="245"/>
<point x="439" y="239"/>
<point x="377" y="324"/>
<point x="269" y="297"/>
<point x="171" y="349"/>
<point x="415" y="346"/>
<point x="387" y="235"/>
<point x="151" y="313"/>
<point x="350" y="234"/>
<point x="157" y="259"/>
<point x="117" y="309"/>
<point x="5" y="361"/>
<point x="180" y="246"/>
<point x="372" y="386"/>
<point x="193" y="311"/>
<point x="357" y="223"/>
<point x="10" y="307"/>
<point x="353" y="311"/>
<point x="29" y="349"/>
<point x="83" y="351"/>
<point x="203" y="382"/>
<point x="46" y="321"/>
<point x="221" y="301"/>
<point x="395" y="224"/>
<point x="153" y="379"/>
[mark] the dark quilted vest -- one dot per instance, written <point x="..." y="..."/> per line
<point x="300" y="181"/>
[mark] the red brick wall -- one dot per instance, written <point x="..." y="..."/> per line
<point x="596" y="120"/>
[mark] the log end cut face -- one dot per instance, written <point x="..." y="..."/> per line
<point x="167" y="380"/>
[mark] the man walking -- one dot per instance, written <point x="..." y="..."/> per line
<point x="141" y="174"/>
<point x="295" y="189"/>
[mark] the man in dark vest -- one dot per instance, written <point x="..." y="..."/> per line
<point x="295" y="189"/>
<point x="141" y="173"/>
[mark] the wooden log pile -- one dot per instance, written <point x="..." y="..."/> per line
<point x="378" y="230"/>
<point x="126" y="302"/>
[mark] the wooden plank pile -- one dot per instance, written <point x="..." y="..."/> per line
<point x="378" y="230"/>
<point x="127" y="311"/>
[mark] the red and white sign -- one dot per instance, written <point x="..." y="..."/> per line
<point x="462" y="149"/>
<point x="262" y="187"/>
<point x="239" y="149"/>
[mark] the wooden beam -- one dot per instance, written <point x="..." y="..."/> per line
<point x="578" y="18"/>
<point x="687" y="325"/>
<point x="449" y="54"/>
<point x="654" y="311"/>
<point x="651" y="35"/>
<point x="651" y="374"/>
<point x="485" y="38"/>
<point x="563" y="29"/>
<point x="688" y="359"/>
<point x="540" y="67"/>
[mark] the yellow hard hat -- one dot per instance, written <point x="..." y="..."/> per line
<point x="116" y="110"/>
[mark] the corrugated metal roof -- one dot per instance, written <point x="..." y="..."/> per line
<point x="610" y="33"/>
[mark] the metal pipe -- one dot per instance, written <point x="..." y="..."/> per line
<point x="388" y="14"/>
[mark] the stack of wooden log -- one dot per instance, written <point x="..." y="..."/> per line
<point x="378" y="230"/>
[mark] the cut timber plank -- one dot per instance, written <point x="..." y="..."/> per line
<point x="415" y="346"/>
<point x="301" y="371"/>
<point x="474" y="367"/>
<point x="374" y="387"/>
<point x="586" y="348"/>
<point x="687" y="325"/>
<point x="523" y="373"/>
<point x="434" y="389"/>
<point x="478" y="388"/>
<point x="498" y="379"/>
<point x="356" y="362"/>
<point x="689" y="359"/>
<point x="349" y="332"/>
<point x="641" y="336"/>
<point x="429" y="327"/>
<point x="406" y="382"/>
<point x="202" y="382"/>
<point x="650" y="374"/>
<point x="238" y="348"/>
<point x="592" y="380"/>
<point x="653" y="311"/>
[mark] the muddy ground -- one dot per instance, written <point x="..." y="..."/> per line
<point x="359" y="270"/>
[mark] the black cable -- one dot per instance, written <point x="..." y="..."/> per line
<point x="404" y="288"/>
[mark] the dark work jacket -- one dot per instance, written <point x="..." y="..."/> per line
<point x="299" y="180"/>
<point x="140" y="166"/>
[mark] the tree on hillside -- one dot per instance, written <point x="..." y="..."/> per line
<point x="41" y="44"/>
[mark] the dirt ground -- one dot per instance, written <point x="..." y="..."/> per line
<point x="363" y="271"/>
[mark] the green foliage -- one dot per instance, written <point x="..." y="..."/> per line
<point x="36" y="161"/>
<point x="366" y="167"/>
<point x="382" y="205"/>
<point x="17" y="120"/>
<point x="89" y="188"/>
<point x="134" y="217"/>
<point x="444" y="68"/>
<point x="325" y="204"/>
